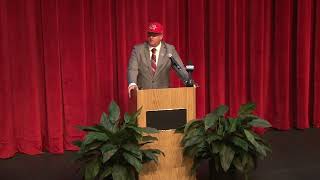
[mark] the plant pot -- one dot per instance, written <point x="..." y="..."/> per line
<point x="230" y="175"/>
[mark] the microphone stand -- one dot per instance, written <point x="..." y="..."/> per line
<point x="190" y="82"/>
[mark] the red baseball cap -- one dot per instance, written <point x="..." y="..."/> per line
<point x="155" y="27"/>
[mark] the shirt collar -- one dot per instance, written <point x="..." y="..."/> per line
<point x="157" y="47"/>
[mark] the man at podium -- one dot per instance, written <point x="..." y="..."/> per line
<point x="150" y="62"/>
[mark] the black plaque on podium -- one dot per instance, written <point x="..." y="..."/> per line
<point x="166" y="119"/>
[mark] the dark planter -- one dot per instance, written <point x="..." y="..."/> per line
<point x="230" y="175"/>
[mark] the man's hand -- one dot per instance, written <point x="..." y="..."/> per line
<point x="131" y="87"/>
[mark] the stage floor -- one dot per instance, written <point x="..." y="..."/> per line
<point x="295" y="156"/>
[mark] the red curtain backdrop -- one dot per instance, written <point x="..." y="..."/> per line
<point x="63" y="61"/>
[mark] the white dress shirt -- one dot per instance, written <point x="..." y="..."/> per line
<point x="157" y="52"/>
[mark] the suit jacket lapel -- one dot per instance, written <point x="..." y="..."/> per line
<point x="147" y="58"/>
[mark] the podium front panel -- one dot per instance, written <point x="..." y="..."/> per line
<point x="170" y="98"/>
<point x="166" y="119"/>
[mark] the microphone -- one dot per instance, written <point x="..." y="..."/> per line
<point x="190" y="67"/>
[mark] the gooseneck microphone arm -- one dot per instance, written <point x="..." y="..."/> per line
<point x="185" y="78"/>
<point x="174" y="62"/>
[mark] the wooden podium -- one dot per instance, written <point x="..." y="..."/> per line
<point x="173" y="165"/>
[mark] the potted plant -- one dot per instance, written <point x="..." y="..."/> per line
<point x="113" y="149"/>
<point x="228" y="143"/>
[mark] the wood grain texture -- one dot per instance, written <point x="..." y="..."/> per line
<point x="162" y="99"/>
<point x="173" y="165"/>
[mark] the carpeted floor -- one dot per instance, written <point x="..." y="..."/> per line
<point x="295" y="156"/>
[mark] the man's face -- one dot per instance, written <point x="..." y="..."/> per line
<point x="154" y="39"/>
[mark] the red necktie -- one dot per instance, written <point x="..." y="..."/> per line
<point x="153" y="61"/>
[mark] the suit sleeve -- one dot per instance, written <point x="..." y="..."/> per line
<point x="184" y="74"/>
<point x="133" y="67"/>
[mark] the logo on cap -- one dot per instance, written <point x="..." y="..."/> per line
<point x="155" y="27"/>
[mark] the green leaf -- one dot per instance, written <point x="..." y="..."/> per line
<point x="266" y="147"/>
<point x="142" y="144"/>
<point x="149" y="130"/>
<point x="89" y="147"/>
<point x="88" y="155"/>
<point x="131" y="135"/>
<point x="120" y="172"/>
<point x="135" y="128"/>
<point x="213" y="137"/>
<point x="226" y="157"/>
<point x="220" y="129"/>
<point x="226" y="126"/>
<point x="141" y="130"/>
<point x="149" y="138"/>
<point x="244" y="163"/>
<point x="193" y="124"/>
<point x="193" y="133"/>
<point x="246" y="109"/>
<point x="136" y="163"/>
<point x="250" y="163"/>
<point x="216" y="147"/>
<point x="77" y="143"/>
<point x="180" y="129"/>
<point x="92" y="170"/>
<point x="95" y="136"/>
<point x="107" y="172"/>
<point x="132" y="118"/>
<point x="259" y="123"/>
<point x="134" y="149"/>
<point x="240" y="143"/>
<point x="190" y="151"/>
<point x="104" y="120"/>
<point x="101" y="129"/>
<point x="233" y="125"/>
<point x="202" y="150"/>
<point x="193" y="141"/>
<point x="251" y="139"/>
<point x="211" y="119"/>
<point x="96" y="128"/>
<point x="127" y="118"/>
<point x="108" y="154"/>
<point x="237" y="162"/>
<point x="89" y="128"/>
<point x="245" y="119"/>
<point x="107" y="147"/>
<point x="151" y="155"/>
<point x="261" y="141"/>
<point x="106" y="123"/>
<point x="114" y="112"/>
<point x="156" y="151"/>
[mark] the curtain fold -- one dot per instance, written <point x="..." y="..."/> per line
<point x="303" y="62"/>
<point x="63" y="61"/>
<point x="315" y="70"/>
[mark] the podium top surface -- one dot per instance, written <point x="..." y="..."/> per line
<point x="165" y="89"/>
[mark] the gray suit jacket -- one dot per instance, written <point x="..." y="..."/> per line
<point x="139" y="68"/>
